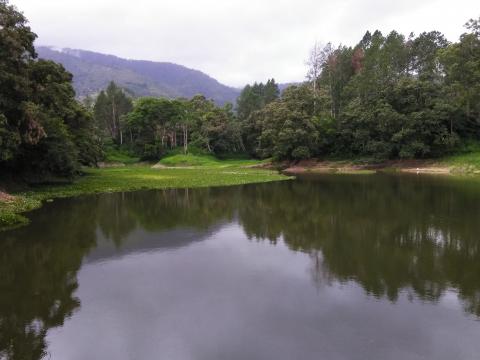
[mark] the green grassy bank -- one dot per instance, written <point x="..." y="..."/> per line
<point x="212" y="172"/>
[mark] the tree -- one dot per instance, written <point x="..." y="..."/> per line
<point x="149" y="123"/>
<point x="253" y="98"/>
<point x="424" y="56"/>
<point x="44" y="131"/>
<point x="215" y="129"/>
<point x="111" y="105"/>
<point x="315" y="62"/>
<point x="461" y="62"/>
<point x="289" y="129"/>
<point x="16" y="55"/>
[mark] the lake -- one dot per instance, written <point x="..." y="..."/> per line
<point x="324" y="267"/>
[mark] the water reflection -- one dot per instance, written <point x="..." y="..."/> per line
<point x="389" y="234"/>
<point x="38" y="267"/>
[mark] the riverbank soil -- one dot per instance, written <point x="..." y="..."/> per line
<point x="410" y="166"/>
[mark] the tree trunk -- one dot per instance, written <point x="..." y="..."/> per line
<point x="114" y="120"/>
<point x="331" y="93"/>
<point x="185" y="139"/>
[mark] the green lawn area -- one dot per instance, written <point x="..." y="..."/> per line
<point x="467" y="162"/>
<point x="137" y="177"/>
<point x="189" y="160"/>
<point x="113" y="155"/>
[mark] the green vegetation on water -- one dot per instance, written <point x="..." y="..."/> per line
<point x="213" y="172"/>
<point x="10" y="211"/>
<point x="389" y="97"/>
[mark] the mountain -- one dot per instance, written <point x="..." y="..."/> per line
<point x="93" y="71"/>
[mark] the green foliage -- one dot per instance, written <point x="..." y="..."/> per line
<point x="466" y="159"/>
<point x="254" y="98"/>
<point x="210" y="172"/>
<point x="149" y="125"/>
<point x="113" y="154"/>
<point x="158" y="125"/>
<point x="388" y="97"/>
<point x="10" y="211"/>
<point x="109" y="109"/>
<point x="131" y="178"/>
<point x="461" y="62"/>
<point x="192" y="160"/>
<point x="288" y="129"/>
<point x="9" y="140"/>
<point x="44" y="132"/>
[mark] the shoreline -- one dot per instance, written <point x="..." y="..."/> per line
<point x="109" y="179"/>
<point x="14" y="204"/>
<point x="430" y="167"/>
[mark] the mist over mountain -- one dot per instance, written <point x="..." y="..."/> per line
<point x="93" y="71"/>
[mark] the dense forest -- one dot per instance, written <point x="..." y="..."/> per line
<point x="386" y="97"/>
<point x="149" y="127"/>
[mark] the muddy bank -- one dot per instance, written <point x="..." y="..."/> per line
<point x="5" y="197"/>
<point x="323" y="166"/>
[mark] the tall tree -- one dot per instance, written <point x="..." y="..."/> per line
<point x="16" y="55"/>
<point x="253" y="98"/>
<point x="44" y="131"/>
<point x="461" y="62"/>
<point x="111" y="105"/>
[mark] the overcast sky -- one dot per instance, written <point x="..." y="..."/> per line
<point x="235" y="41"/>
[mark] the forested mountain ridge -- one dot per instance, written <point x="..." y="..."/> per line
<point x="93" y="71"/>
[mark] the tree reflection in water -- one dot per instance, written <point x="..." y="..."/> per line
<point x="390" y="234"/>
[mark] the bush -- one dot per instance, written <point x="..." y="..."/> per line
<point x="301" y="152"/>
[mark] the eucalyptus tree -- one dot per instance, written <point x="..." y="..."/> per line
<point x="110" y="107"/>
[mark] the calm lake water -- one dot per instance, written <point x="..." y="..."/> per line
<point x="332" y="267"/>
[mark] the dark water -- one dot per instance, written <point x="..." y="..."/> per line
<point x="336" y="267"/>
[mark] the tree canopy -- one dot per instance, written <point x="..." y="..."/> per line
<point x="389" y="96"/>
<point x="44" y="131"/>
<point x="386" y="97"/>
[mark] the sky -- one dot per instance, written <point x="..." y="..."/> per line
<point x="234" y="41"/>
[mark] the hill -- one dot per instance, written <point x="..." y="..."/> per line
<point x="93" y="71"/>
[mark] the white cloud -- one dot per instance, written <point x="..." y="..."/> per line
<point x="234" y="41"/>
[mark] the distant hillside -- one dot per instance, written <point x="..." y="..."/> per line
<point x="93" y="71"/>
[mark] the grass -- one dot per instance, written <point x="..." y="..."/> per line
<point x="194" y="160"/>
<point x="135" y="177"/>
<point x="466" y="163"/>
<point x="11" y="211"/>
<point x="465" y="160"/>
<point x="113" y="155"/>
